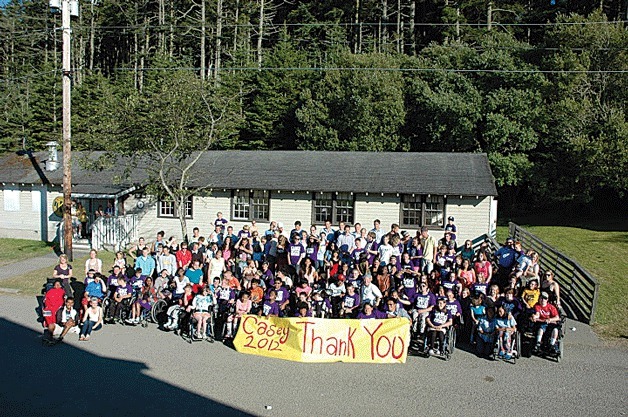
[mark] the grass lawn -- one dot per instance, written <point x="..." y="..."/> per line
<point x="13" y="250"/>
<point x="603" y="254"/>
<point x="31" y="283"/>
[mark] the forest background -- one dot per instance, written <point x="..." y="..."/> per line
<point x="541" y="86"/>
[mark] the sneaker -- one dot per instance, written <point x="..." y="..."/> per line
<point x="86" y="338"/>
<point x="507" y="357"/>
<point x="537" y="347"/>
<point x="500" y="354"/>
<point x="431" y="352"/>
<point x="555" y="348"/>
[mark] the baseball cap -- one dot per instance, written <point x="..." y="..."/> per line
<point x="544" y="295"/>
<point x="450" y="218"/>
<point x="280" y="225"/>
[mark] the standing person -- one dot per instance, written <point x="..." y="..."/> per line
<point x="92" y="319"/>
<point x="377" y="231"/>
<point x="93" y="262"/>
<point x="64" y="271"/>
<point x="146" y="263"/>
<point x="506" y="258"/>
<point x="184" y="256"/>
<point x="428" y="243"/>
<point x="220" y="220"/>
<point x="167" y="261"/>
<point x="450" y="228"/>
<point x="81" y="214"/>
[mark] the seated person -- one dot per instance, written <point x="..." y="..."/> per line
<point x="53" y="301"/>
<point x="321" y="306"/>
<point x="438" y="322"/>
<point x="122" y="292"/>
<point x="195" y="275"/>
<point x="369" y="313"/>
<point x="478" y="311"/>
<point x="545" y="318"/>
<point x="146" y="298"/>
<point x="282" y="296"/>
<point x="505" y="327"/>
<point x="270" y="308"/>
<point x="350" y="303"/>
<point x="243" y="306"/>
<point x="92" y="319"/>
<point x="530" y="295"/>
<point x="65" y="318"/>
<point x="257" y="295"/>
<point x="203" y="305"/>
<point x="486" y="333"/>
<point x="180" y="311"/>
<point x="303" y="310"/>
<point x="453" y="306"/>
<point x="423" y="303"/>
<point x="395" y="309"/>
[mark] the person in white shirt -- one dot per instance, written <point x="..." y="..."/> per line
<point x="370" y="293"/>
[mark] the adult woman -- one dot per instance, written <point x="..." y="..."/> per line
<point x="64" y="271"/>
<point x="93" y="262"/>
<point x="227" y="253"/>
<point x="258" y="247"/>
<point x="92" y="319"/>
<point x="136" y="250"/>
<point x="492" y="296"/>
<point x="307" y="271"/>
<point x="552" y="288"/>
<point x="217" y="266"/>
<point x="385" y="250"/>
<point x="244" y="252"/>
<point x="282" y="252"/>
<point x="483" y="265"/>
<point x="466" y="274"/>
<point x="505" y="326"/>
<point x="467" y="251"/>
<point x="146" y="299"/>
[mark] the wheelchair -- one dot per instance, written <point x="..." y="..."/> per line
<point x="515" y="346"/>
<point x="546" y="350"/>
<point x="158" y="312"/>
<point x="123" y="313"/>
<point x="188" y="333"/>
<point x="446" y="350"/>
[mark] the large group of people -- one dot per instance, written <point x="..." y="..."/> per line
<point x="347" y="271"/>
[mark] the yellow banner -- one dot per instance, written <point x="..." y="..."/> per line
<point x="307" y="339"/>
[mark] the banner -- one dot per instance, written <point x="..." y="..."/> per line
<point x="307" y="339"/>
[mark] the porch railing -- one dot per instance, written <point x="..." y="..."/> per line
<point x="117" y="232"/>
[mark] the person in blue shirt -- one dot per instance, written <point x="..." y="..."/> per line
<point x="146" y="263"/>
<point x="506" y="258"/>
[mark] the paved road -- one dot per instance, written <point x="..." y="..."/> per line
<point x="137" y="371"/>
<point x="28" y="265"/>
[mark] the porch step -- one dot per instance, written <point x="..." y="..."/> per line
<point x="81" y="245"/>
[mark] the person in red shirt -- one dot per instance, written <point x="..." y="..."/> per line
<point x="53" y="301"/>
<point x="184" y="256"/>
<point x="545" y="318"/>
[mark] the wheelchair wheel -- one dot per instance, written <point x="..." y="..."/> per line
<point x="559" y="356"/>
<point x="452" y="340"/>
<point x="157" y="311"/>
<point x="518" y="346"/>
<point x="106" y="303"/>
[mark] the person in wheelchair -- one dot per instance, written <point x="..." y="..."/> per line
<point x="321" y="306"/>
<point x="423" y="303"/>
<point x="242" y="307"/>
<point x="122" y="292"/>
<point x="485" y="336"/>
<point x="546" y="320"/>
<point x="144" y="301"/>
<point x="438" y="323"/>
<point x="395" y="309"/>
<point x="257" y="295"/>
<point x="505" y="327"/>
<point x="178" y="313"/>
<point x="203" y="306"/>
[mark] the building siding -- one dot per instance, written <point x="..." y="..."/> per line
<point x="371" y="207"/>
<point x="472" y="216"/>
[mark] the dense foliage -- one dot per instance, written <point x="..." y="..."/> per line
<point x="541" y="86"/>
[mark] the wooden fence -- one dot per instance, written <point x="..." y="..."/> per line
<point x="578" y="288"/>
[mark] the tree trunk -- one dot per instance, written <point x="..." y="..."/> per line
<point x="357" y="31"/>
<point x="218" y="46"/>
<point x="203" y="35"/>
<point x="173" y="22"/>
<point x="260" y="34"/>
<point x="161" y="22"/>
<point x="399" y="28"/>
<point x="384" y="26"/>
<point x="412" y="28"/>
<point x="92" y="37"/>
<point x="235" y="28"/>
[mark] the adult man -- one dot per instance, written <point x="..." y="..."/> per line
<point x="184" y="256"/>
<point x="296" y="253"/>
<point x="369" y="293"/>
<point x="346" y="242"/>
<point x="545" y="318"/>
<point x="65" y="319"/>
<point x="393" y="309"/>
<point x="233" y="236"/>
<point x="329" y="231"/>
<point x="167" y="261"/>
<point x="146" y="263"/>
<point x="377" y="229"/>
<point x="428" y="243"/>
<point x="297" y="229"/>
<point x="216" y="236"/>
<point x="506" y="257"/>
<point x="196" y="233"/>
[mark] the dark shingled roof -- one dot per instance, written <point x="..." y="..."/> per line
<point x="377" y="172"/>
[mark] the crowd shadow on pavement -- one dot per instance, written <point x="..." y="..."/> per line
<point x="40" y="380"/>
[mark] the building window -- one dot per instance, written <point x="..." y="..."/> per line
<point x="165" y="208"/>
<point x="11" y="200"/>
<point x="422" y="210"/>
<point x="250" y="205"/>
<point x="335" y="207"/>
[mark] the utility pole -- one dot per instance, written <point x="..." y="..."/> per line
<point x="68" y="234"/>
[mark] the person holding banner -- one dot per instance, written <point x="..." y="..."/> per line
<point x="282" y="296"/>
<point x="369" y="313"/>
<point x="270" y="307"/>
<point x="393" y="309"/>
<point x="350" y="303"/>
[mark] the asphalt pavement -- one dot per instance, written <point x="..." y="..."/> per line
<point x="145" y="372"/>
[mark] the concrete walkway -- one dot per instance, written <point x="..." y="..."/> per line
<point x="28" y="265"/>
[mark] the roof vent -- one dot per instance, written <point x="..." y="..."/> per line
<point x="52" y="163"/>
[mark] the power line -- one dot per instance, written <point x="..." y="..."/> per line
<point x="323" y="69"/>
